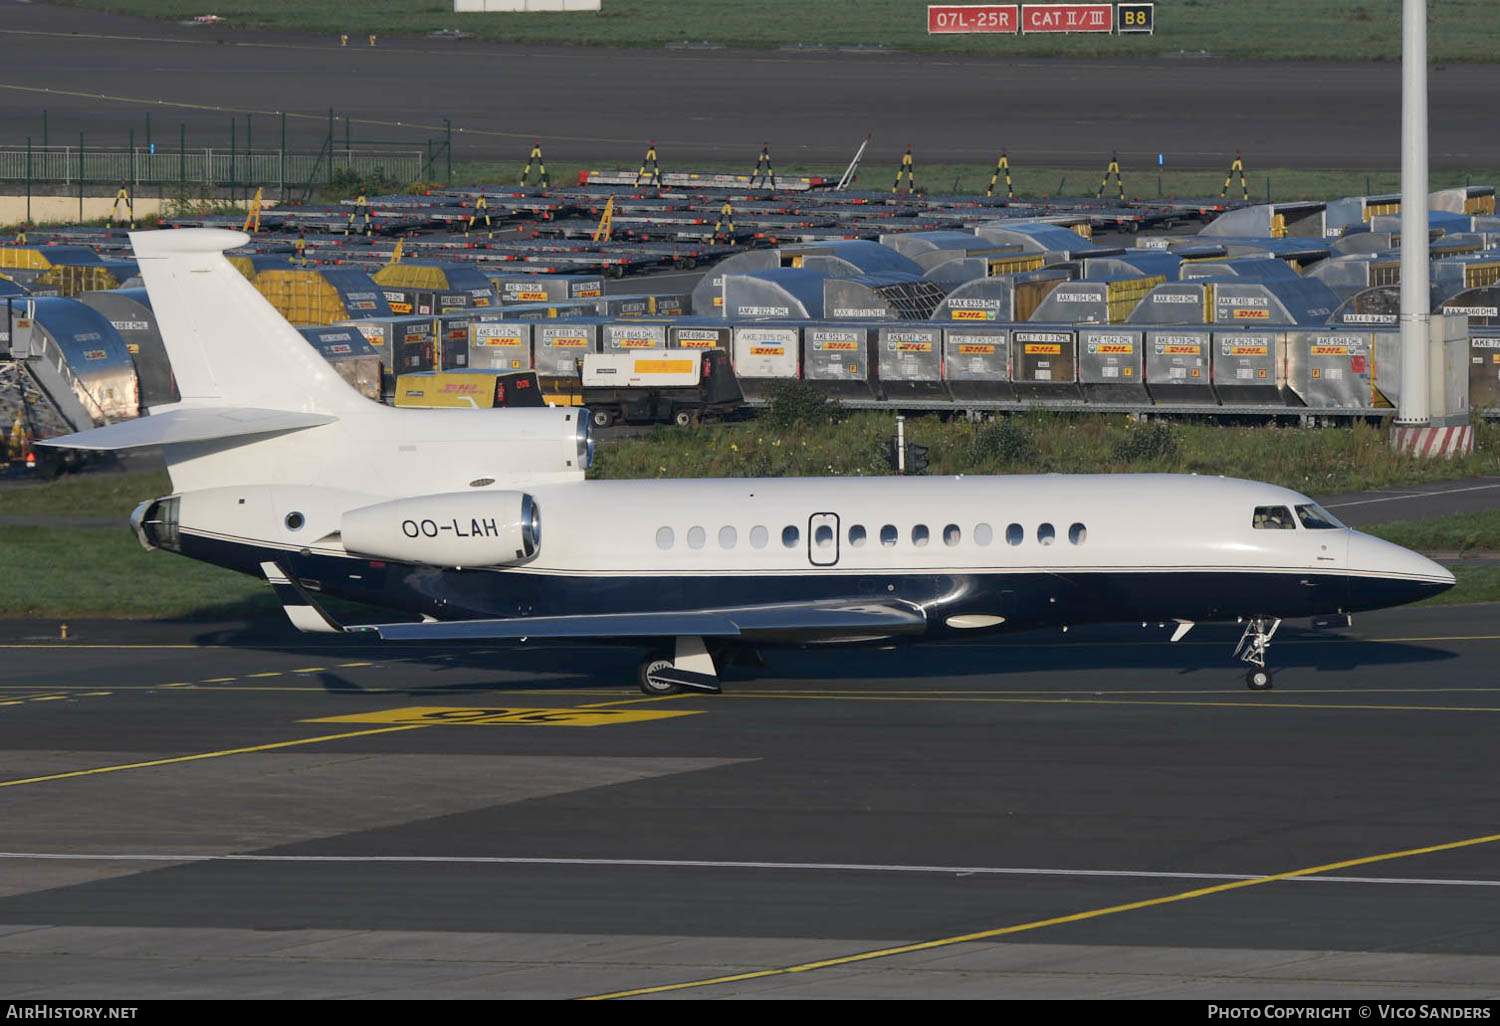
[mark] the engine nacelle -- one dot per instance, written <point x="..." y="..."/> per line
<point x="456" y="529"/>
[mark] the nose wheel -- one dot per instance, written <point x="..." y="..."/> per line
<point x="1252" y="649"/>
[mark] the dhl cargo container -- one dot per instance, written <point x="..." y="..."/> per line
<point x="350" y="354"/>
<point x="1044" y="364"/>
<point x="1112" y="365"/>
<point x="836" y="356"/>
<point x="405" y="345"/>
<point x="911" y="361"/>
<point x="976" y="363"/>
<point x="1178" y="362"/>
<point x="1249" y="367"/>
<point x="500" y="345"/>
<point x="765" y="355"/>
<point x="1331" y="370"/>
<point x="129" y="310"/>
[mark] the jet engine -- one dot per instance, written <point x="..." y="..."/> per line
<point x="457" y="529"/>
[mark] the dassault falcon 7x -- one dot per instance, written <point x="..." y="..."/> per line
<point x="481" y="525"/>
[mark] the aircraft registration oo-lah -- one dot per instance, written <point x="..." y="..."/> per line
<point x="481" y="525"/>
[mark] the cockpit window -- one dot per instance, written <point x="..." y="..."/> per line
<point x="1316" y="518"/>
<point x="1273" y="518"/>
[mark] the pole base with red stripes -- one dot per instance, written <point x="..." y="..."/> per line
<point x="1443" y="442"/>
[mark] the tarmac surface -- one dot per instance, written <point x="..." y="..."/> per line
<point x="200" y="810"/>
<point x="101" y="74"/>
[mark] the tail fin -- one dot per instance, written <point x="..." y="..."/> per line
<point x="227" y="345"/>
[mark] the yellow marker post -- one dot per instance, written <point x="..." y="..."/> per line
<point x="1113" y="169"/>
<point x="909" y="167"/>
<point x="763" y="168"/>
<point x="481" y="205"/>
<point x="725" y="224"/>
<point x="1239" y="166"/>
<point x="535" y="159"/>
<point x="123" y="196"/>
<point x="650" y="161"/>
<point x="1001" y="166"/>
<point x="343" y="39"/>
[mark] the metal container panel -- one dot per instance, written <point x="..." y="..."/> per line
<point x="630" y="335"/>
<point x="781" y="292"/>
<point x="129" y="311"/>
<point x="765" y="355"/>
<point x="350" y="354"/>
<point x="560" y="345"/>
<point x="358" y="292"/>
<point x="1178" y="365"/>
<point x="1045" y="365"/>
<point x="708" y="294"/>
<point x="1330" y="369"/>
<point x="81" y="337"/>
<point x="976" y="363"/>
<point x="1249" y="367"/>
<point x="500" y="345"/>
<point x="1176" y="302"/>
<point x="452" y="331"/>
<point x="1484" y="372"/>
<point x="1112" y="365"/>
<point x="911" y="362"/>
<point x="1075" y="302"/>
<point x="700" y="336"/>
<point x="404" y="344"/>
<point x="838" y="358"/>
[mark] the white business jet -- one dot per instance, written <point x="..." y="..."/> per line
<point x="481" y="525"/>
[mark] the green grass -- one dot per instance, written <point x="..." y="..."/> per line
<point x="1141" y="180"/>
<point x="97" y="494"/>
<point x="103" y="572"/>
<point x="1462" y="533"/>
<point x="1475" y="584"/>
<point x="1458" y="30"/>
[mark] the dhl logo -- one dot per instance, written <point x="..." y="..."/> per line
<point x="972" y="315"/>
<point x="480" y="301"/>
<point x="500" y="340"/>
<point x="913" y="347"/>
<point x="1247" y="350"/>
<point x="594" y="293"/>
<point x="1116" y="347"/>
<point x="94" y="354"/>
<point x="530" y="297"/>
<point x="1330" y="350"/>
<point x="636" y="343"/>
<point x="975" y="349"/>
<point x="664" y="366"/>
<point x="413" y="338"/>
<point x="840" y="347"/>
<point x="767" y="350"/>
<point x="699" y="343"/>
<point x="455" y="388"/>
<point x="401" y="308"/>
<point x="570" y="343"/>
<point x="1252" y="315"/>
<point x="1043" y="349"/>
<point x="1180" y="350"/>
<point x="135" y="350"/>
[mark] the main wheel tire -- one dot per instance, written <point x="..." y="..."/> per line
<point x="653" y="687"/>
<point x="603" y="418"/>
<point x="683" y="418"/>
<point x="1258" y="679"/>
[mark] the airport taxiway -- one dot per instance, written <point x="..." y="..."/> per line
<point x="213" y="811"/>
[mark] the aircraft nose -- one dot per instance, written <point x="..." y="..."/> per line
<point x="1385" y="574"/>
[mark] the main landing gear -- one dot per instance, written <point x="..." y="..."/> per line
<point x="689" y="665"/>
<point x="1253" y="646"/>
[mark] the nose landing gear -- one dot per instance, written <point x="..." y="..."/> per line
<point x="1252" y="649"/>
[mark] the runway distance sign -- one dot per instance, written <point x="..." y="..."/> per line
<point x="945" y="19"/>
<point x="1038" y="18"/>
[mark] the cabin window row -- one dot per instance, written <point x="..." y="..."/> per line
<point x="889" y="536"/>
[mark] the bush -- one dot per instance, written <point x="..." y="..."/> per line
<point x="1141" y="443"/>
<point x="799" y="403"/>
<point x="1003" y="443"/>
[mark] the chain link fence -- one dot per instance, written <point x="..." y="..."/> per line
<point x="278" y="169"/>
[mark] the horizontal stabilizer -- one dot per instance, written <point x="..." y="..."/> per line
<point x="807" y="620"/>
<point x="201" y="424"/>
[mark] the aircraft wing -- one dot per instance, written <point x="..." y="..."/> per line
<point x="199" y="424"/>
<point x="846" y="619"/>
<point x="789" y="620"/>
